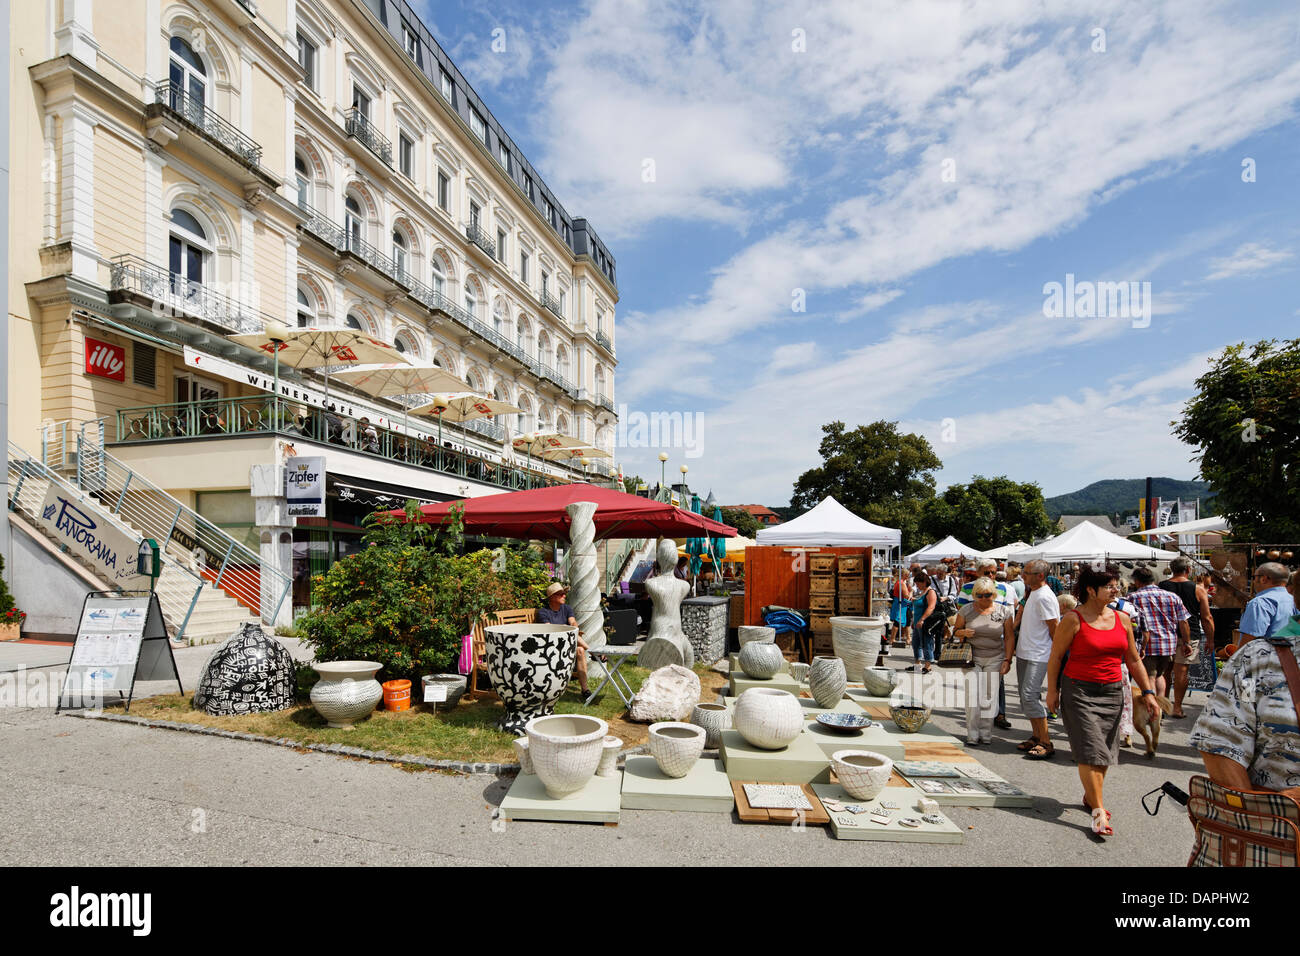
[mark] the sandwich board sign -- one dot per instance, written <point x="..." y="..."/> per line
<point x="304" y="486"/>
<point x="121" y="638"/>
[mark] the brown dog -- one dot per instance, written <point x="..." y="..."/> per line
<point x="1149" y="727"/>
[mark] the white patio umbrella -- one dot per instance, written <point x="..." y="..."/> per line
<point x="464" y="407"/>
<point x="539" y="443"/>
<point x="394" y="378"/>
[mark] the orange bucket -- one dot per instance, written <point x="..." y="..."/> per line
<point x="397" y="695"/>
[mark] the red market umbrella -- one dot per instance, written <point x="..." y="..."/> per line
<point x="540" y="513"/>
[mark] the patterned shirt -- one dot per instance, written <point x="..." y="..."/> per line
<point x="1006" y="596"/>
<point x="1161" y="612"/>
<point x="1250" y="718"/>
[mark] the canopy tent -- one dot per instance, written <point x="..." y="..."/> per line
<point x="1202" y="526"/>
<point x="949" y="547"/>
<point x="540" y="513"/>
<point x="1000" y="554"/>
<point x="830" y="525"/>
<point x="735" y="553"/>
<point x="1089" y="542"/>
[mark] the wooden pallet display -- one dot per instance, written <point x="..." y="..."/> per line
<point x="817" y="816"/>
<point x="850" y="564"/>
<point x="820" y="622"/>
<point x="822" y="582"/>
<point x="852" y="603"/>
<point x="852" y="584"/>
<point x="820" y="601"/>
<point x="822" y="562"/>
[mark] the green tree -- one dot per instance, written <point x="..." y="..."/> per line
<point x="874" y="471"/>
<point x="1245" y="422"/>
<point x="987" y="513"/>
<point x="741" y="520"/>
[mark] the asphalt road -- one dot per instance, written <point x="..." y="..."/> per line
<point x="88" y="792"/>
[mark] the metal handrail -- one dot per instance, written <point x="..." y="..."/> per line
<point x="475" y="234"/>
<point x="182" y="297"/>
<point x="603" y="341"/>
<point x="207" y="121"/>
<point x="551" y="302"/>
<point x="358" y="126"/>
<point x="337" y="236"/>
<point x="604" y="401"/>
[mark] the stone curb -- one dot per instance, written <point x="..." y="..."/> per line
<point x="460" y="766"/>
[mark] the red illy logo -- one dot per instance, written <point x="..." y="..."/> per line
<point x="105" y="360"/>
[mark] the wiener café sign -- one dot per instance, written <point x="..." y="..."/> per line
<point x="110" y="550"/>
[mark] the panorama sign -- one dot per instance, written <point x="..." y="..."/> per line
<point x="108" y="548"/>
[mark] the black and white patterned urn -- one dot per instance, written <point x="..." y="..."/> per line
<point x="251" y="673"/>
<point x="530" y="666"/>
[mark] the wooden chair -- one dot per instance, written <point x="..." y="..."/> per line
<point x="516" y="616"/>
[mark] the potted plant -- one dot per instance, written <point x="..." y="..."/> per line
<point x="11" y="624"/>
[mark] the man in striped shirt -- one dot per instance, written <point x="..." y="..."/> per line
<point x="1165" y="618"/>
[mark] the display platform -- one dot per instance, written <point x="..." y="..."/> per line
<point x="985" y="789"/>
<point x="705" y="788"/>
<point x="816" y="817"/>
<point x="598" y="802"/>
<point x="734" y="661"/>
<point x="872" y="738"/>
<point x="802" y="761"/>
<point x="859" y="826"/>
<point x="810" y="707"/>
<point x="739" y="683"/>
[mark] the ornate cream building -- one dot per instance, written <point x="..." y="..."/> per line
<point x="185" y="171"/>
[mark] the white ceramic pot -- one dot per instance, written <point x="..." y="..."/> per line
<point x="748" y="633"/>
<point x="610" y="748"/>
<point x="880" y="681"/>
<point x="857" y="642"/>
<point x="451" y="686"/>
<point x="827" y="680"/>
<point x="566" y="750"/>
<point x="761" y="661"/>
<point x="714" y="718"/>
<point x="346" y="692"/>
<point x="530" y="666"/>
<point x="676" y="746"/>
<point x="863" y="773"/>
<point x="767" y="717"/>
<point x="799" y="671"/>
<point x="525" y="758"/>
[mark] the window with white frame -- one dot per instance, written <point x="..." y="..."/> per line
<point x="477" y="126"/>
<point x="306" y="309"/>
<point x="475" y="214"/>
<point x="546" y="279"/>
<point x="503" y="154"/>
<point x="562" y="299"/>
<point x="353" y="322"/>
<point x="471" y="300"/>
<point x="189" y="80"/>
<point x="411" y="43"/>
<point x="302" y="172"/>
<point x="188" y="249"/>
<point x="523" y="267"/>
<point x="444" y="191"/>
<point x="439" y="276"/>
<point x="361" y="102"/>
<point x="406" y="155"/>
<point x="444" y="84"/>
<point x="521" y="336"/>
<point x="352" y="221"/>
<point x="501" y="245"/>
<point x="400" y="252"/>
<point x="307" y="59"/>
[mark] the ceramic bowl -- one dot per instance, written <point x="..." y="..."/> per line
<point x="714" y="718"/>
<point x="879" y="681"/>
<point x="844" y="723"/>
<point x="863" y="773"/>
<point x="909" y="715"/>
<point x="761" y="661"/>
<point x="750" y="632"/>
<point x="799" y="671"/>
<point x="676" y="746"/>
<point x="566" y="750"/>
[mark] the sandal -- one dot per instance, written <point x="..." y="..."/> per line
<point x="1039" y="752"/>
<point x="1029" y="744"/>
<point x="1101" y="824"/>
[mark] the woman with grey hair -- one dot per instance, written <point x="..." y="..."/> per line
<point x="989" y="627"/>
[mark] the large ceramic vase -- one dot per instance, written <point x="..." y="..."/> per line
<point x="346" y="692"/>
<point x="767" y="717"/>
<point x="529" y="666"/>
<point x="857" y="643"/>
<point x="714" y="718"/>
<point x="879" y="681"/>
<point x="566" y="751"/>
<point x="863" y="773"/>
<point x="761" y="661"/>
<point x="750" y="632"/>
<point x="676" y="746"/>
<point x="827" y="680"/>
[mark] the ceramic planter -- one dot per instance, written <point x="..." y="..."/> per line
<point x="879" y="681"/>
<point x="749" y="633"/>
<point x="909" y="715"/>
<point x="529" y="666"/>
<point x="525" y="758"/>
<point x="610" y="748"/>
<point x="761" y="661"/>
<point x="346" y="692"/>
<point x="250" y="673"/>
<point x="827" y="680"/>
<point x="676" y="746"/>
<point x="455" y="689"/>
<point x="714" y="718"/>
<point x="863" y="773"/>
<point x="767" y="717"/>
<point x="799" y="671"/>
<point x="566" y="750"/>
<point x="857" y="642"/>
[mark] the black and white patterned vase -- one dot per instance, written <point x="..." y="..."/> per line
<point x="251" y="673"/>
<point x="530" y="666"/>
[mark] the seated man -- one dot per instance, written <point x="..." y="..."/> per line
<point x="555" y="611"/>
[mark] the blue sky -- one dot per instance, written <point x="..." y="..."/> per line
<point x="919" y="171"/>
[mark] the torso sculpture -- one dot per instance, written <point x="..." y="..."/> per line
<point x="666" y="643"/>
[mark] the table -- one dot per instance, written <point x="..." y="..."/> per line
<point x="619" y="654"/>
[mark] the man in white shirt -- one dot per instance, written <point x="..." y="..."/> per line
<point x="1038" y="620"/>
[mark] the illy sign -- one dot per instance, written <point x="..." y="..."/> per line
<point x="105" y="360"/>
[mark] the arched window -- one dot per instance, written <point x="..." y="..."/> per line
<point x="521" y="418"/>
<point x="471" y="300"/>
<point x="600" y="380"/>
<point x="188" y="248"/>
<point x="521" y="336"/>
<point x="353" y="322"/>
<point x="188" y="93"/>
<point x="562" y="360"/>
<point x="302" y="170"/>
<point x="439" y="275"/>
<point x="400" y="252"/>
<point x="562" y="424"/>
<point x="500" y="316"/>
<point x="306" y="309"/>
<point x="543" y="345"/>
<point x="406" y="344"/>
<point x="352" y="220"/>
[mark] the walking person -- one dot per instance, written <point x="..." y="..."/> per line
<point x="988" y="627"/>
<point x="1090" y="689"/>
<point x="900" y="608"/>
<point x="926" y="622"/>
<point x="988" y="568"/>
<point x="1200" y="626"/>
<point x="1165" y="620"/>
<point x="1038" y="620"/>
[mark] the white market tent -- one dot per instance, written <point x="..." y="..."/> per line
<point x="1202" y="526"/>
<point x="1089" y="542"/>
<point x="830" y="525"/>
<point x="1000" y="554"/>
<point x="949" y="547"/>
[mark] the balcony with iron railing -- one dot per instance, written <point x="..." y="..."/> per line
<point x="343" y="241"/>
<point x="358" y="126"/>
<point x="176" y="101"/>
<point x="551" y="302"/>
<point x="603" y="341"/>
<point x="604" y="401"/>
<point x="156" y="288"/>
<point x="475" y="234"/>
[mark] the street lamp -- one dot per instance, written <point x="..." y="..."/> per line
<point x="585" y="462"/>
<point x="684" y="469"/>
<point x="663" y="457"/>
<point x="530" y="438"/>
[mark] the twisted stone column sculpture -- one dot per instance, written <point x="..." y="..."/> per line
<point x="584" y="584"/>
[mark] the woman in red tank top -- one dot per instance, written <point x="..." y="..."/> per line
<point x="1089" y="694"/>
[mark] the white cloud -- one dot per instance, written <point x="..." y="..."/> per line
<point x="794" y="355"/>
<point x="870" y="303"/>
<point x="1249" y="259"/>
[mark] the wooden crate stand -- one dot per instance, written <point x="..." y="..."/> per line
<point x="852" y="584"/>
<point x="821" y="583"/>
<point x="821" y="602"/>
<point x="850" y="564"/>
<point x="821" y="562"/>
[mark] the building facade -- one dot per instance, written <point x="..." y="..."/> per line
<point x="183" y="172"/>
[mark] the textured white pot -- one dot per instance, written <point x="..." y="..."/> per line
<point x="761" y="661"/>
<point x="525" y="758"/>
<point x="863" y="773"/>
<point x="676" y="746"/>
<point x="767" y="717"/>
<point x="880" y="681"/>
<point x="714" y="718"/>
<point x="610" y="748"/>
<point x="566" y="751"/>
<point x="857" y="642"/>
<point x="749" y="632"/>
<point x="799" y="671"/>
<point x="346" y="692"/>
<point x="827" y="680"/>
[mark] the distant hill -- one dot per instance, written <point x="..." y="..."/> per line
<point x="1118" y="495"/>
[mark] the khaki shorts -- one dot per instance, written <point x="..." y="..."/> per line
<point x="1192" y="656"/>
